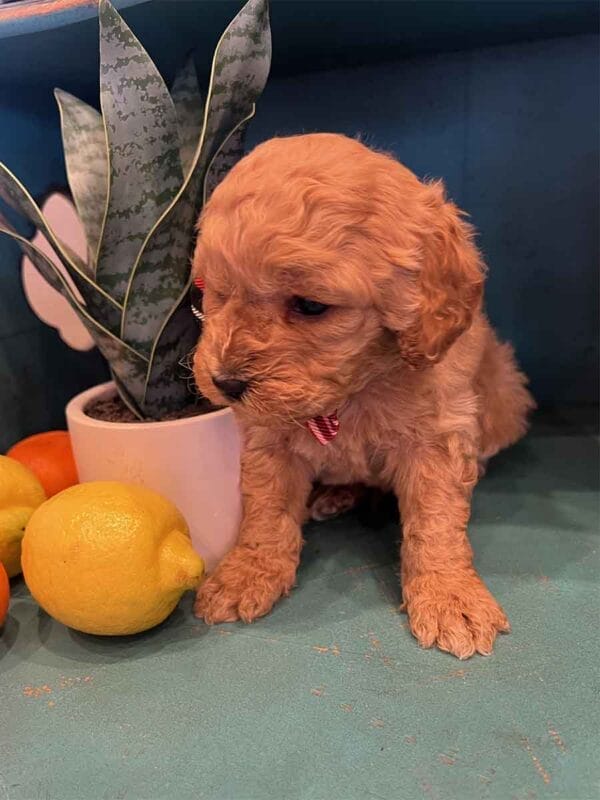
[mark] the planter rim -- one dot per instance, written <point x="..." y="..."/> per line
<point x="76" y="413"/>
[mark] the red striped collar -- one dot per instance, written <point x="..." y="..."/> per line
<point x="324" y="429"/>
<point x="196" y="298"/>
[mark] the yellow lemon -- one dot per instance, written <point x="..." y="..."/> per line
<point x="109" y="558"/>
<point x="20" y="494"/>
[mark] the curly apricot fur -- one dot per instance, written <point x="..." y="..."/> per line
<point x="425" y="392"/>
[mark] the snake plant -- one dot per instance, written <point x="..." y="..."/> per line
<point x="139" y="173"/>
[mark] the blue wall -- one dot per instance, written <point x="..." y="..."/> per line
<point x="513" y="130"/>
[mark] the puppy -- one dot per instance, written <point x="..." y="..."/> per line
<point x="344" y="324"/>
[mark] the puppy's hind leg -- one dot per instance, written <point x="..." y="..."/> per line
<point x="327" y="502"/>
<point x="505" y="401"/>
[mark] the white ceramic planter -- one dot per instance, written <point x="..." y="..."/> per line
<point x="194" y="462"/>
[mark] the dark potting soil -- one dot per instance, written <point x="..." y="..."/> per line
<point x="113" y="409"/>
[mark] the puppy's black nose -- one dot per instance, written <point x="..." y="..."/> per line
<point x="231" y="387"/>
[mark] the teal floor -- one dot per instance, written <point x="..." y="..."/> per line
<point x="329" y="698"/>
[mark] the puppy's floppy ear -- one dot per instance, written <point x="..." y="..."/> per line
<point x="443" y="287"/>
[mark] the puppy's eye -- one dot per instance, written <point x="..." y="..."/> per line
<point x="306" y="307"/>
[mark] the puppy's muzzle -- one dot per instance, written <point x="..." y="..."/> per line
<point x="232" y="388"/>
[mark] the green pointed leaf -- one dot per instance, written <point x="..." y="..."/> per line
<point x="168" y="383"/>
<point x="126" y="397"/>
<point x="239" y="73"/>
<point x="190" y="111"/>
<point x="145" y="168"/>
<point x="229" y="154"/>
<point x="99" y="304"/>
<point x="129" y="366"/>
<point x="86" y="161"/>
<point x="46" y="267"/>
<point x="240" y="70"/>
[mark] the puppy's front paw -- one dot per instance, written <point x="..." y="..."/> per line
<point x="245" y="585"/>
<point x="457" y="613"/>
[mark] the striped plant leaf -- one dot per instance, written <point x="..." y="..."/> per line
<point x="168" y="380"/>
<point x="145" y="167"/>
<point x="46" y="268"/>
<point x="129" y="366"/>
<point x="99" y="304"/>
<point x="239" y="72"/>
<point x="138" y="206"/>
<point x="86" y="161"/>
<point x="229" y="154"/>
<point x="126" y="397"/>
<point x="190" y="111"/>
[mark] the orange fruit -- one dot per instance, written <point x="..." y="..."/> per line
<point x="4" y="594"/>
<point x="50" y="457"/>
